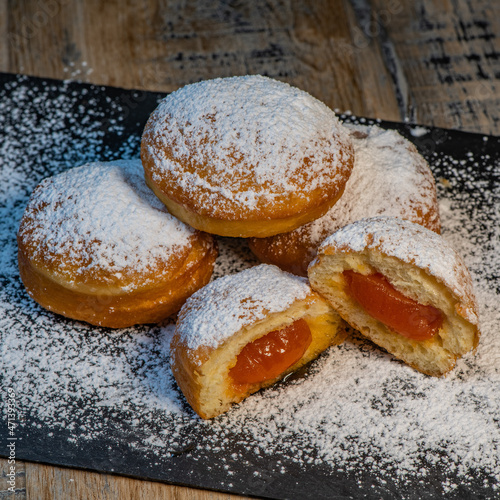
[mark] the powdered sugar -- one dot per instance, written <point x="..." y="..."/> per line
<point x="253" y="136"/>
<point x="418" y="131"/>
<point x="359" y="424"/>
<point x="223" y="307"/>
<point x="389" y="177"/>
<point x="101" y="220"/>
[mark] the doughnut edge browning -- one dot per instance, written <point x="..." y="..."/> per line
<point x="240" y="228"/>
<point x="293" y="251"/>
<point x="115" y="308"/>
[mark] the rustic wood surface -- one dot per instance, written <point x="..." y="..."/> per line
<point x="432" y="62"/>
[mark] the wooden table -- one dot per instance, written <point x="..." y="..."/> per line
<point x="432" y="62"/>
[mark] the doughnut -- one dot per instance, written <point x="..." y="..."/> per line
<point x="389" y="177"/>
<point x="403" y="287"/>
<point x="245" y="156"/>
<point x="246" y="331"/>
<point x="96" y="245"/>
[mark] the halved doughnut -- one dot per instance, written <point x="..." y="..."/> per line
<point x="246" y="331"/>
<point x="403" y="287"/>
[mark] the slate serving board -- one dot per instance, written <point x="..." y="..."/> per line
<point x="47" y="126"/>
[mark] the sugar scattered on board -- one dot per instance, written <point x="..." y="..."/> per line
<point x="418" y="131"/>
<point x="357" y="410"/>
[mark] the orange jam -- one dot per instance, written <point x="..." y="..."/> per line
<point x="384" y="303"/>
<point x="270" y="355"/>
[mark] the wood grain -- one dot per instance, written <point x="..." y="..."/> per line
<point x="4" y="46"/>
<point x="435" y="62"/>
<point x="428" y="61"/>
<point x="164" y="45"/>
<point x="448" y="53"/>
<point x="40" y="482"/>
<point x="12" y="487"/>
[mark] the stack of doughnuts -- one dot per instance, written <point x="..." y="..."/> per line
<point x="127" y="242"/>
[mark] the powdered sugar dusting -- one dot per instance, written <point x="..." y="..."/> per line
<point x="108" y="368"/>
<point x="363" y="409"/>
<point x="359" y="423"/>
<point x="283" y="129"/>
<point x="219" y="310"/>
<point x="102" y="218"/>
<point x="389" y="177"/>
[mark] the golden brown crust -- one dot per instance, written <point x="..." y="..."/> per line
<point x="268" y="210"/>
<point x="96" y="245"/>
<point x="187" y="373"/>
<point x="210" y="172"/>
<point x="101" y="305"/>
<point x="292" y="251"/>
<point x="241" y="228"/>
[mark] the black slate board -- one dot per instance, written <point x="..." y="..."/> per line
<point x="106" y="123"/>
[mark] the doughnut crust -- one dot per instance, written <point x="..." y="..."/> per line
<point x="245" y="156"/>
<point x="417" y="263"/>
<point x="389" y="177"/>
<point x="96" y="245"/>
<point x="219" y="320"/>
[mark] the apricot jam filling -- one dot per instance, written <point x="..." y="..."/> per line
<point x="384" y="303"/>
<point x="270" y="355"/>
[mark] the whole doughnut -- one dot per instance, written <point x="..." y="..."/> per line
<point x="96" y="245"/>
<point x="245" y="156"/>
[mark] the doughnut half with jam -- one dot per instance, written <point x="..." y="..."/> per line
<point x="403" y="287"/>
<point x="246" y="331"/>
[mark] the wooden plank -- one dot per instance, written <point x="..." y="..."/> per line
<point x="431" y="61"/>
<point x="379" y="92"/>
<point x="162" y="46"/>
<point x="449" y="53"/>
<point x="12" y="481"/>
<point x="37" y="481"/>
<point x="56" y="483"/>
<point x="4" y="49"/>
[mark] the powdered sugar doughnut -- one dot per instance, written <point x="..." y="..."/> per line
<point x="245" y="156"/>
<point x="389" y="177"/>
<point x="403" y="287"/>
<point x="96" y="245"/>
<point x="245" y="331"/>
